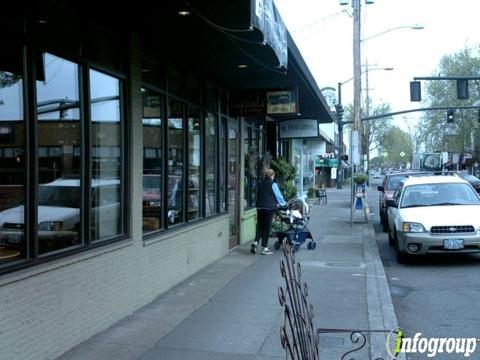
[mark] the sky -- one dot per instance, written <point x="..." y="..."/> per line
<point x="323" y="31"/>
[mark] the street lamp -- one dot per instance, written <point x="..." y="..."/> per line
<point x="412" y="27"/>
<point x="341" y="122"/>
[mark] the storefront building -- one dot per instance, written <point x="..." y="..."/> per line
<point x="125" y="166"/>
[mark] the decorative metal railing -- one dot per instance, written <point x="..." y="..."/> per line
<point x="298" y="336"/>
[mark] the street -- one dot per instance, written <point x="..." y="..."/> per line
<point x="436" y="296"/>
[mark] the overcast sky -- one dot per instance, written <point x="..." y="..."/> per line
<point x="323" y="31"/>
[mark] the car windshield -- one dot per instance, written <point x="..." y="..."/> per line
<point x="439" y="195"/>
<point x="64" y="196"/>
<point x="470" y="178"/>
<point x="394" y="180"/>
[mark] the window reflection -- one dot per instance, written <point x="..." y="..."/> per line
<point x="106" y="140"/>
<point x="58" y="174"/>
<point x="193" y="164"/>
<point x="210" y="165"/>
<point x="175" y="162"/>
<point x="152" y="160"/>
<point x="12" y="164"/>
<point x="223" y="164"/>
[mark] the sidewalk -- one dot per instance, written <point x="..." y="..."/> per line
<point x="230" y="309"/>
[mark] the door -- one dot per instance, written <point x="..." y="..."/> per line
<point x="233" y="181"/>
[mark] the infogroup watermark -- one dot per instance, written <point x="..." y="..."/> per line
<point x="398" y="343"/>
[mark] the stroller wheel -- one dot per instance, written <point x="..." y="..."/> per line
<point x="276" y="246"/>
<point x="312" y="245"/>
<point x="295" y="248"/>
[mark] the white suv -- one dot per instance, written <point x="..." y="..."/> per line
<point x="432" y="215"/>
<point x="59" y="214"/>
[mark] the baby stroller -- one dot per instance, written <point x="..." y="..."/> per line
<point x="295" y="215"/>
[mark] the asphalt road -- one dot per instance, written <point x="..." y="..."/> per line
<point x="435" y="296"/>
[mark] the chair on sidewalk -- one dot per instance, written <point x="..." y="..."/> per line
<point x="321" y="196"/>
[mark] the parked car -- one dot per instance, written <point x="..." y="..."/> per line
<point x="59" y="215"/>
<point x="390" y="182"/>
<point x="473" y="180"/>
<point x="433" y="215"/>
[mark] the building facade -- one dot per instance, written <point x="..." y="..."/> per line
<point x="130" y="151"/>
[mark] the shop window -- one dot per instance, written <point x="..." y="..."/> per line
<point x="210" y="164"/>
<point x="253" y="161"/>
<point x="12" y="164"/>
<point x="176" y="158"/>
<point x="107" y="164"/>
<point x="194" y="161"/>
<point x="58" y="131"/>
<point x="223" y="164"/>
<point x="152" y="160"/>
<point x="247" y="160"/>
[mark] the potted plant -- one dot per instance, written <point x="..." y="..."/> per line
<point x="311" y="192"/>
<point x="360" y="178"/>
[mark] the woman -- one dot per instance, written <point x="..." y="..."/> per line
<point x="269" y="198"/>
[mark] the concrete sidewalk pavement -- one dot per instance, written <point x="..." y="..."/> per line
<point x="230" y="309"/>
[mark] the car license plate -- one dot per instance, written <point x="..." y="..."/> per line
<point x="453" y="244"/>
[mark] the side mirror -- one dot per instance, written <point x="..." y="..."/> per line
<point x="380" y="188"/>
<point x="392" y="203"/>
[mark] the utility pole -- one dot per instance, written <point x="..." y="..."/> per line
<point x="357" y="69"/>
<point x="340" y="136"/>
<point x="357" y="89"/>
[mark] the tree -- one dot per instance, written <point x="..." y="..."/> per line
<point x="395" y="142"/>
<point x="435" y="133"/>
<point x="376" y="128"/>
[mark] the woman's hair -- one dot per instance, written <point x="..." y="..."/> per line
<point x="269" y="173"/>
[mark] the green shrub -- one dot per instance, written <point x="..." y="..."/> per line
<point x="360" y="178"/>
<point x="311" y="193"/>
<point x="285" y="175"/>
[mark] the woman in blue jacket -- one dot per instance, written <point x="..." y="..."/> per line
<point x="269" y="198"/>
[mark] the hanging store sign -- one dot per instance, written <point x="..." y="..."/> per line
<point x="265" y="17"/>
<point x="282" y="102"/>
<point x="298" y="128"/>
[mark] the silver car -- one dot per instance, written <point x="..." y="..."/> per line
<point x="432" y="215"/>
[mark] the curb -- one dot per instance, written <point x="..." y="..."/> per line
<point x="381" y="314"/>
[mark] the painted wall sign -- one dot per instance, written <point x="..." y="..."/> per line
<point x="298" y="128"/>
<point x="248" y="104"/>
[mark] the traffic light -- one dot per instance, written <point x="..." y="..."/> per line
<point x="450" y="115"/>
<point x="339" y="110"/>
<point x="415" y="91"/>
<point x="462" y="89"/>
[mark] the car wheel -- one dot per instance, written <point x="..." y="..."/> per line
<point x="391" y="240"/>
<point x="382" y="218"/>
<point x="401" y="257"/>
<point x="385" y="226"/>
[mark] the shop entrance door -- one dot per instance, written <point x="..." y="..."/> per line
<point x="234" y="181"/>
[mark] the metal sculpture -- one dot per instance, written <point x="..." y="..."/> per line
<point x="298" y="336"/>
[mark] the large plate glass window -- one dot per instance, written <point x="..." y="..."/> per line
<point x="12" y="160"/>
<point x="210" y="164"/>
<point x="152" y="160"/>
<point x="223" y="165"/>
<point x="106" y="156"/>
<point x="194" y="161"/>
<point x="176" y="157"/>
<point x="59" y="184"/>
